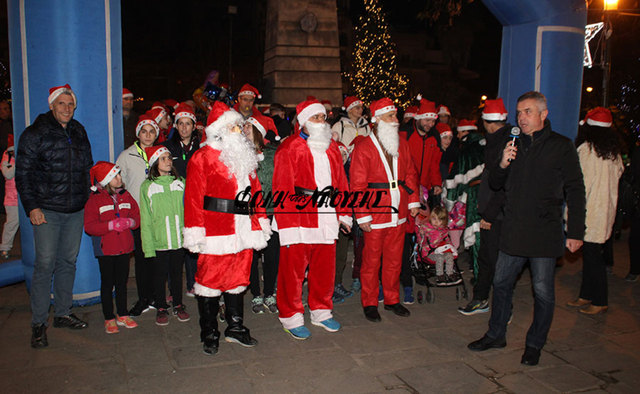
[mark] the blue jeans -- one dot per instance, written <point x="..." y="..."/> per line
<point x="56" y="243"/>
<point x="543" y="278"/>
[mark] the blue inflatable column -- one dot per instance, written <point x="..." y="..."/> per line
<point x="76" y="42"/>
<point x="542" y="49"/>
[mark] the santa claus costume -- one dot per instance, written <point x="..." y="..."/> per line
<point x="305" y="162"/>
<point x="220" y="225"/>
<point x="381" y="165"/>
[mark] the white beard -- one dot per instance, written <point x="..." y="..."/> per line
<point x="388" y="136"/>
<point x="319" y="135"/>
<point x="238" y="154"/>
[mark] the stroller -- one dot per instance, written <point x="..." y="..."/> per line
<point x="424" y="270"/>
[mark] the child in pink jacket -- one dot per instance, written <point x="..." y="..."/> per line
<point x="8" y="165"/>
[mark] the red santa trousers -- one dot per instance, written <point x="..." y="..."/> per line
<point x="294" y="260"/>
<point x="386" y="243"/>
<point x="229" y="273"/>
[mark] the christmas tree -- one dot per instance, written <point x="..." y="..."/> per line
<point x="374" y="70"/>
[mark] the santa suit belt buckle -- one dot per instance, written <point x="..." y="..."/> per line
<point x="393" y="185"/>
<point x="227" y="206"/>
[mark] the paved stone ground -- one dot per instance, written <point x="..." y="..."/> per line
<point x="424" y="353"/>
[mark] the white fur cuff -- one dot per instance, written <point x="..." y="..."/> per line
<point x="204" y="291"/>
<point x="194" y="239"/>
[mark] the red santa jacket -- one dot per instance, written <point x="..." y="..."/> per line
<point x="368" y="165"/>
<point x="219" y="233"/>
<point x="297" y="220"/>
<point x="426" y="156"/>
<point x="99" y="210"/>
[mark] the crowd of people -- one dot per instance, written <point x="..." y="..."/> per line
<point x="215" y="191"/>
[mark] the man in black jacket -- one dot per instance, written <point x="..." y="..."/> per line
<point x="539" y="175"/>
<point x="52" y="178"/>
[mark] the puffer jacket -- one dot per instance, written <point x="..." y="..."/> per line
<point x="52" y="165"/>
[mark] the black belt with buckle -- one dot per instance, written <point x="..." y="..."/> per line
<point x="227" y="206"/>
<point x="390" y="185"/>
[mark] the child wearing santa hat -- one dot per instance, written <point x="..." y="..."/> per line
<point x="162" y="220"/>
<point x="10" y="199"/>
<point x="109" y="216"/>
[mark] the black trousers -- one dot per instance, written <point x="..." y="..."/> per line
<point x="406" y="280"/>
<point x="114" y="271"/>
<point x="487" y="258"/>
<point x="271" y="257"/>
<point x="634" y="246"/>
<point x="594" y="274"/>
<point x="143" y="268"/>
<point x="342" y="248"/>
<point x="168" y="262"/>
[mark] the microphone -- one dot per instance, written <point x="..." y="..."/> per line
<point x="515" y="134"/>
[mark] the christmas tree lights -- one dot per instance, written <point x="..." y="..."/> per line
<point x="374" y="70"/>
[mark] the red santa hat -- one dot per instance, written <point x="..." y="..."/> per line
<point x="200" y="126"/>
<point x="220" y="119"/>
<point x="154" y="153"/>
<point x="171" y="103"/>
<point x="126" y="93"/>
<point x="157" y="113"/>
<point x="599" y="116"/>
<point x="184" y="110"/>
<point x="102" y="173"/>
<point x="306" y="109"/>
<point x="427" y="109"/>
<point x="444" y="129"/>
<point x="249" y="90"/>
<point x="264" y="124"/>
<point x="443" y="110"/>
<point x="158" y="104"/>
<point x="410" y="112"/>
<point x="327" y="104"/>
<point x="144" y="120"/>
<point x="350" y="102"/>
<point x="467" y="125"/>
<point x="381" y="107"/>
<point x="494" y="110"/>
<point x="10" y="142"/>
<point x="56" y="91"/>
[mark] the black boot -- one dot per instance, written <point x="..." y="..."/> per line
<point x="209" y="334"/>
<point x="236" y="332"/>
<point x="39" y="336"/>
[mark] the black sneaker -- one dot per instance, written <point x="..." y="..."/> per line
<point x="139" y="308"/>
<point x="39" y="336"/>
<point x="454" y="279"/>
<point x="474" y="307"/>
<point x="69" y="321"/>
<point x="441" y="280"/>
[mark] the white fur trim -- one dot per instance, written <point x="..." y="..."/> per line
<point x="426" y="115"/>
<point x="384" y="110"/>
<point x="444" y="111"/>
<point x="365" y="219"/>
<point x="346" y="219"/>
<point x="414" y="205"/>
<point x="465" y="128"/>
<point x="235" y="243"/>
<point x="448" y="132"/>
<point x="255" y="122"/>
<point x="110" y="175"/>
<point x="229" y="118"/>
<point x="493" y="117"/>
<point x="204" y="291"/>
<point x="53" y="96"/>
<point x="309" y="111"/>
<point x="184" y="115"/>
<point x="419" y="97"/>
<point x="294" y="321"/>
<point x="464" y="178"/>
<point x="127" y="95"/>
<point x="409" y="115"/>
<point x="355" y="103"/>
<point x="597" y="123"/>
<point x="156" y="155"/>
<point x="248" y="93"/>
<point x="142" y="123"/>
<point x="469" y="235"/>
<point x="448" y="248"/>
<point x="237" y="290"/>
<point x="266" y="227"/>
<point x="194" y="238"/>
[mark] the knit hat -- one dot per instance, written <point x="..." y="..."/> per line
<point x="154" y="153"/>
<point x="443" y="110"/>
<point x="410" y="112"/>
<point x="144" y="120"/>
<point x="381" y="107"/>
<point x="126" y="93"/>
<point x="58" y="90"/>
<point x="157" y="113"/>
<point x="494" y="110"/>
<point x="102" y="173"/>
<point x="306" y="109"/>
<point x="599" y="116"/>
<point x="249" y="90"/>
<point x="350" y="102"/>
<point x="427" y="109"/>
<point x="184" y="111"/>
<point x="220" y="118"/>
<point x="444" y="129"/>
<point x="466" y="125"/>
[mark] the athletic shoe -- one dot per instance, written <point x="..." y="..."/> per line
<point x="110" y="326"/>
<point x="330" y="325"/>
<point x="342" y="291"/>
<point x="39" y="336"/>
<point x="300" y="333"/>
<point x="257" y="305"/>
<point x="70" y="321"/>
<point x="190" y="293"/>
<point x="162" y="317"/>
<point x="337" y="298"/>
<point x="475" y="307"/>
<point x="126" y="321"/>
<point x="356" y="286"/>
<point x="181" y="313"/>
<point x="271" y="304"/>
<point x="408" y="296"/>
<point x="631" y="278"/>
<point x="454" y="279"/>
<point x="441" y="280"/>
<point x="139" y="308"/>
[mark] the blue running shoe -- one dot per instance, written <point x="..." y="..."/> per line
<point x="330" y="325"/>
<point x="380" y="294"/>
<point x="300" y="333"/>
<point x="408" y="296"/>
<point x="356" y="285"/>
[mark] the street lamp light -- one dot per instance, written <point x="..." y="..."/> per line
<point x="610" y="5"/>
<point x="589" y="89"/>
<point x="484" y="97"/>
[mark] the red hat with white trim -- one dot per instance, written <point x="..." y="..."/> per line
<point x="56" y="91"/>
<point x="221" y="118"/>
<point x="427" y="109"/>
<point x="154" y="153"/>
<point x="102" y="173"/>
<point x="444" y="129"/>
<point x="381" y="107"/>
<point x="306" y="109"/>
<point x="247" y="89"/>
<point x="443" y="110"/>
<point x="144" y="120"/>
<point x="264" y="124"/>
<point x="494" y="111"/>
<point x="327" y="105"/>
<point x="410" y="112"/>
<point x="200" y="126"/>
<point x="157" y="113"/>
<point x="184" y="111"/>
<point x="467" y="125"/>
<point x="158" y="104"/>
<point x="350" y="102"/>
<point x="126" y="93"/>
<point x="171" y="103"/>
<point x="599" y="116"/>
